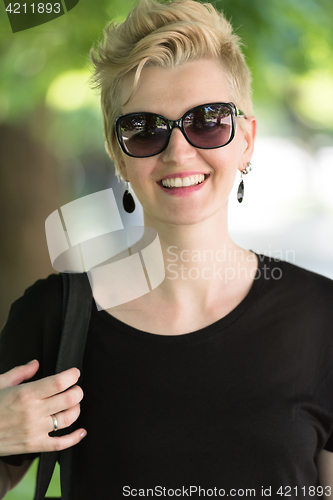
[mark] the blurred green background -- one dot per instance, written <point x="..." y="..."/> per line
<point x="52" y="145"/>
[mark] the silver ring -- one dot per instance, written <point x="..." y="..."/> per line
<point x="55" y="422"/>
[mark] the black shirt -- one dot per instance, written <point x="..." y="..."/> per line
<point x="245" y="403"/>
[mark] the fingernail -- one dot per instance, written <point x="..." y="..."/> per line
<point x="78" y="372"/>
<point x="83" y="434"/>
<point x="32" y="361"/>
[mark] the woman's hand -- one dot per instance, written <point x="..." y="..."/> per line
<point x="26" y="411"/>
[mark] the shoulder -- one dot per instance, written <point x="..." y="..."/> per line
<point x="295" y="285"/>
<point x="44" y="295"/>
<point x="43" y="289"/>
<point x="293" y="272"/>
<point x="34" y="323"/>
<point x="39" y="300"/>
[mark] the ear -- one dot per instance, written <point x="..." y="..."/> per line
<point x="117" y="156"/>
<point x="249" y="137"/>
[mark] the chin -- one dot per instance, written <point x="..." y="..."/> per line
<point x="186" y="219"/>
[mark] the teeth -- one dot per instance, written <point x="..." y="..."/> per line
<point x="176" y="182"/>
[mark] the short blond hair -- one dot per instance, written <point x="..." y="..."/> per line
<point x="165" y="35"/>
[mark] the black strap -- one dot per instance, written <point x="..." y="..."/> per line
<point x="77" y="301"/>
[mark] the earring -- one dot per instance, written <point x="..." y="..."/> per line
<point x="240" y="192"/>
<point x="128" y="200"/>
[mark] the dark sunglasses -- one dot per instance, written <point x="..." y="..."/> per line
<point x="208" y="126"/>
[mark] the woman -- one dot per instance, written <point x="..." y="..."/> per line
<point x="218" y="382"/>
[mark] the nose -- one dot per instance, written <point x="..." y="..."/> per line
<point x="179" y="150"/>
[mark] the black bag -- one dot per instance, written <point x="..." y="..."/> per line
<point x="77" y="302"/>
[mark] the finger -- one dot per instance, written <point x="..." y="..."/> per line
<point x="63" y="401"/>
<point x="64" y="419"/>
<point x="63" y="442"/>
<point x="18" y="374"/>
<point x="55" y="384"/>
<point x="48" y="443"/>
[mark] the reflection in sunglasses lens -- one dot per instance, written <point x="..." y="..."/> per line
<point x="146" y="134"/>
<point x="209" y="126"/>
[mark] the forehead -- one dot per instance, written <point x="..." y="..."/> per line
<point x="172" y="91"/>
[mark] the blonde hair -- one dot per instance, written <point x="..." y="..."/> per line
<point x="165" y="35"/>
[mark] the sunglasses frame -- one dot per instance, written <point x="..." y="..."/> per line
<point x="171" y="124"/>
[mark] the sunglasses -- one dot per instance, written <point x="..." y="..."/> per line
<point x="208" y="126"/>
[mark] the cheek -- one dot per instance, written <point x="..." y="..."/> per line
<point x="139" y="172"/>
<point x="224" y="162"/>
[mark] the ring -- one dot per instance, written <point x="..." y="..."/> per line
<point x="55" y="422"/>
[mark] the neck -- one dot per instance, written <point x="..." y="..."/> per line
<point x="201" y="260"/>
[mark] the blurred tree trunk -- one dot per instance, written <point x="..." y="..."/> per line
<point x="29" y="192"/>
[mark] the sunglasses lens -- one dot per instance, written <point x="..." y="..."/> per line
<point x="143" y="134"/>
<point x="209" y="126"/>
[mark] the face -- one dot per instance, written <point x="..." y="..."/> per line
<point x="172" y="92"/>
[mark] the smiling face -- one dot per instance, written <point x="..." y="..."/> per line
<point x="172" y="92"/>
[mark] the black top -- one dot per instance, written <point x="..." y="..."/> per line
<point x="244" y="403"/>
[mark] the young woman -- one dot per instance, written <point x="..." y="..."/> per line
<point x="219" y="381"/>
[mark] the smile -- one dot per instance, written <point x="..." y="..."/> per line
<point x="177" y="182"/>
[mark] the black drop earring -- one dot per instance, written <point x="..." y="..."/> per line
<point x="128" y="200"/>
<point x="240" y="192"/>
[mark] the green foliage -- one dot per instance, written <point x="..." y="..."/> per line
<point x="30" y="60"/>
<point x="24" y="490"/>
<point x="288" y="45"/>
<point x="285" y="41"/>
<point x="283" y="38"/>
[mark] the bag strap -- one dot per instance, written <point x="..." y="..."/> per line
<point x="77" y="302"/>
